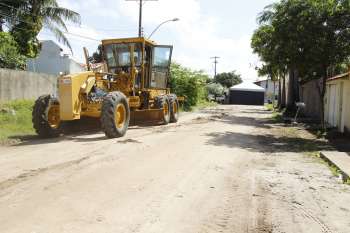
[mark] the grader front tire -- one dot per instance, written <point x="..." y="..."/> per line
<point x="45" y="117"/>
<point x="115" y="115"/>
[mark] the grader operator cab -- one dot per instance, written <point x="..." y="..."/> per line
<point x="134" y="88"/>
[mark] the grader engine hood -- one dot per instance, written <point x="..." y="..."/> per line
<point x="69" y="89"/>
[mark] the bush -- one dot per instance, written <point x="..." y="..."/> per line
<point x="188" y="83"/>
<point x="9" y="54"/>
<point x="215" y="89"/>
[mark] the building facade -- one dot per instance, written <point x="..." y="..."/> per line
<point x="271" y="89"/>
<point x="337" y="104"/>
<point x="52" y="61"/>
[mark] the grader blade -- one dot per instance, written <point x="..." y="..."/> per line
<point x="146" y="117"/>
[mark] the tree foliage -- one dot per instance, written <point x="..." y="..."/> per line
<point x="9" y="54"/>
<point x="215" y="89"/>
<point x="188" y="83"/>
<point x="96" y="56"/>
<point x="26" y="18"/>
<point x="310" y="37"/>
<point x="228" y="79"/>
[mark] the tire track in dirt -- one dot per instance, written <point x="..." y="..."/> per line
<point x="34" y="173"/>
<point x="246" y="193"/>
<point x="308" y="214"/>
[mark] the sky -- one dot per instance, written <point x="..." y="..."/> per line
<point x="206" y="28"/>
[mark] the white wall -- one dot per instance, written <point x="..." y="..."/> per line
<point x="50" y="61"/>
<point x="268" y="85"/>
<point x="337" y="104"/>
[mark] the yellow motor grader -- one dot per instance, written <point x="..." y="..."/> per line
<point x="133" y="88"/>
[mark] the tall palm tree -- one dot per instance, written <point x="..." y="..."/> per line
<point x="8" y="9"/>
<point x="32" y="16"/>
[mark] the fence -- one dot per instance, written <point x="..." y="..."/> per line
<point x="16" y="84"/>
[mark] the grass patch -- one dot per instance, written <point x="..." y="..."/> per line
<point x="277" y="117"/>
<point x="200" y="105"/>
<point x="16" y="118"/>
<point x="269" y="107"/>
<point x="317" y="155"/>
<point x="205" y="104"/>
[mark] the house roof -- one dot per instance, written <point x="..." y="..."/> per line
<point x="247" y="86"/>
<point x="340" y="76"/>
<point x="51" y="43"/>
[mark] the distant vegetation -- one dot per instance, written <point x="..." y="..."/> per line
<point x="189" y="83"/>
<point x="220" y="84"/>
<point x="228" y="79"/>
<point x="215" y="89"/>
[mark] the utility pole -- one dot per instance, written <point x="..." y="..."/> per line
<point x="215" y="63"/>
<point x="141" y="2"/>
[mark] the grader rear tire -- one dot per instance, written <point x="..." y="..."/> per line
<point x="45" y="118"/>
<point x="174" y="108"/>
<point x="162" y="102"/>
<point x="115" y="115"/>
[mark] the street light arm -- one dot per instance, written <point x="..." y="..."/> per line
<point x="170" y="20"/>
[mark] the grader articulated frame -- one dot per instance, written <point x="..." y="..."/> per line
<point x="133" y="88"/>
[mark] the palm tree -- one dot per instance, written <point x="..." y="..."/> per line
<point x="32" y="16"/>
<point x="8" y="9"/>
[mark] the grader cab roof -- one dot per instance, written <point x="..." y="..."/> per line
<point x="129" y="40"/>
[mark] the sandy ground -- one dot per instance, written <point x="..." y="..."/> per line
<point x="224" y="169"/>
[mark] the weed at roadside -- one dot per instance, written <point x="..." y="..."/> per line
<point x="16" y="118"/>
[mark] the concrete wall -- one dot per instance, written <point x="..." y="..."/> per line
<point x="309" y="94"/>
<point x="16" y="84"/>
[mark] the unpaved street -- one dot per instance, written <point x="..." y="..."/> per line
<point x="225" y="169"/>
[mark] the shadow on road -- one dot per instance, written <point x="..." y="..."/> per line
<point x="242" y="120"/>
<point x="85" y="130"/>
<point x="76" y="136"/>
<point x="266" y="143"/>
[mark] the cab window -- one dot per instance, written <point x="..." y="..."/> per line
<point x="162" y="56"/>
<point x="160" y="66"/>
<point x="119" y="55"/>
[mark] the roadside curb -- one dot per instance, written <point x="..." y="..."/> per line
<point x="340" y="160"/>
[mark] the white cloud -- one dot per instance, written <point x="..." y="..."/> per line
<point x="196" y="36"/>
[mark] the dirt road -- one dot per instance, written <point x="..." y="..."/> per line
<point x="225" y="169"/>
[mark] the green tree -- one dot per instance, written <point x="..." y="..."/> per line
<point x="9" y="54"/>
<point x="215" y="89"/>
<point x="8" y="11"/>
<point x="228" y="79"/>
<point x="30" y="16"/>
<point x="96" y="56"/>
<point x="308" y="37"/>
<point x="188" y="83"/>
